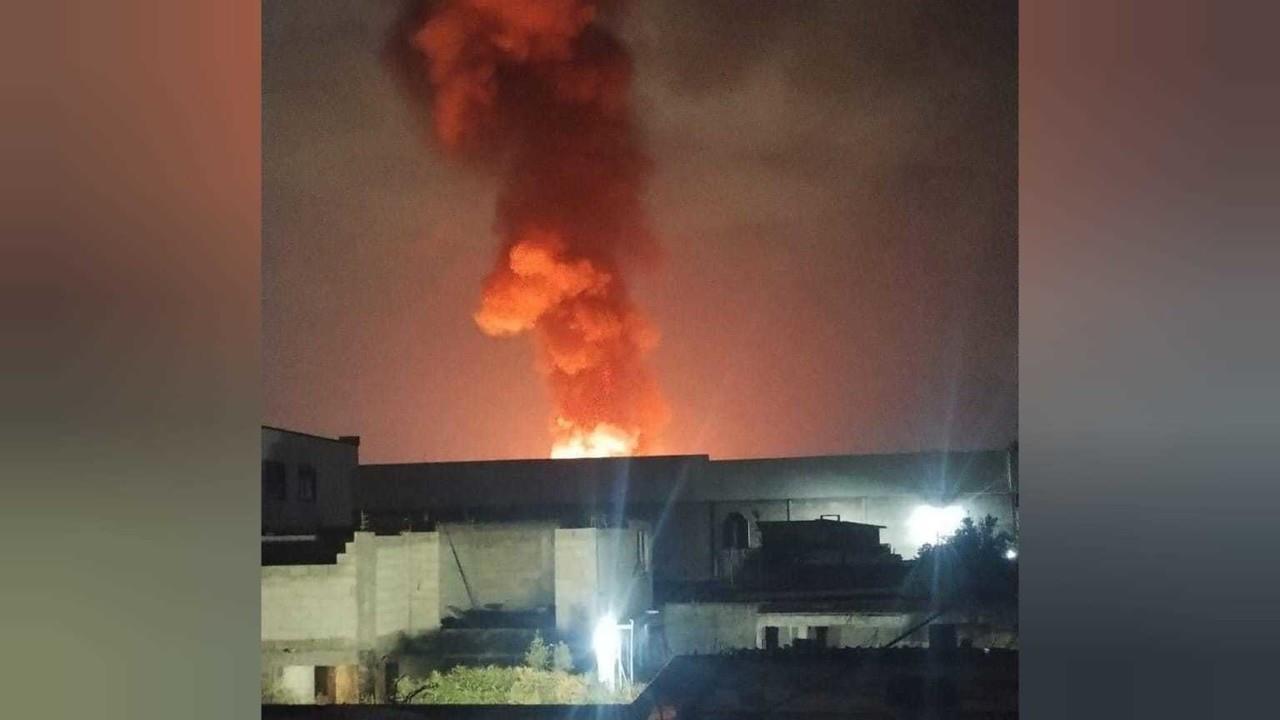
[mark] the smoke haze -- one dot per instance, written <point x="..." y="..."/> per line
<point x="835" y="189"/>
<point x="539" y="91"/>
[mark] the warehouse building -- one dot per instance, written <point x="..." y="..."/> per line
<point x="700" y="514"/>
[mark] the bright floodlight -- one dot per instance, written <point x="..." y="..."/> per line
<point x="929" y="524"/>
<point x="1010" y="554"/>
<point x="607" y="643"/>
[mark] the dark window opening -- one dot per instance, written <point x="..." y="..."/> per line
<point x="642" y="553"/>
<point x="326" y="684"/>
<point x="819" y="634"/>
<point x="273" y="486"/>
<point x="387" y="686"/>
<point x="771" y="637"/>
<point x="735" y="532"/>
<point x="306" y="483"/>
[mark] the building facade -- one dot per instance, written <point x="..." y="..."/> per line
<point x="383" y="554"/>
<point x="307" y="482"/>
<point x="348" y="620"/>
<point x="701" y="514"/>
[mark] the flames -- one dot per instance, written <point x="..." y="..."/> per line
<point x="539" y="91"/>
<point x="604" y="440"/>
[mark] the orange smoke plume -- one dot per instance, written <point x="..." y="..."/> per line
<point x="540" y="91"/>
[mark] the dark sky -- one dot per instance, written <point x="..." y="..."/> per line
<point x="835" y="188"/>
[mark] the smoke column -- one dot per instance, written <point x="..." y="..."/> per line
<point x="539" y="91"/>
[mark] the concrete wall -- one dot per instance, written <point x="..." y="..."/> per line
<point x="599" y="570"/>
<point x="383" y="587"/>
<point x="512" y="564"/>
<point x="843" y="630"/>
<point x="380" y="589"/>
<point x="576" y="580"/>
<point x="892" y="511"/>
<point x="335" y="463"/>
<point x="298" y="684"/>
<point x="687" y="498"/>
<point x="310" y="603"/>
<point x="682" y="541"/>
<point x="407" y="584"/>
<point x="702" y="628"/>
<point x="709" y="627"/>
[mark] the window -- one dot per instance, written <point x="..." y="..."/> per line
<point x="326" y="685"/>
<point x="819" y="634"/>
<point x="642" y="553"/>
<point x="273" y="487"/>
<point x="771" y="637"/>
<point x="306" y="483"/>
<point x="735" y="532"/>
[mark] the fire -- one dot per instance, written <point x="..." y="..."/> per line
<point x="539" y="92"/>
<point x="604" y="440"/>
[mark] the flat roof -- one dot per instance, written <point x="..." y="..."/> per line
<point x="310" y="435"/>
<point x="819" y="520"/>
<point x="676" y="478"/>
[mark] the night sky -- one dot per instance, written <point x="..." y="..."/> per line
<point x="835" y="190"/>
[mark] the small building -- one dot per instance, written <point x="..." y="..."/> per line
<point x="307" y="482"/>
<point x="821" y="542"/>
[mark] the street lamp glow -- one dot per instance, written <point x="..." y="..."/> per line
<point x="1011" y="554"/>
<point x="607" y="643"/>
<point x="929" y="524"/>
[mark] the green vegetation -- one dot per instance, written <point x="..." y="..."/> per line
<point x="492" y="685"/>
<point x="968" y="569"/>
<point x="545" y="678"/>
<point x="562" y="659"/>
<point x="541" y="656"/>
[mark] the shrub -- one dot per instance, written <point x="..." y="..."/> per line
<point x="969" y="568"/>
<point x="538" y="656"/>
<point x="493" y="685"/>
<point x="462" y="685"/>
<point x="562" y="660"/>
<point x="533" y="687"/>
<point x="545" y="678"/>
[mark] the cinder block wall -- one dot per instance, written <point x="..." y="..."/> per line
<point x="716" y="627"/>
<point x="384" y="587"/>
<point x="310" y="602"/>
<point x="844" y="629"/>
<point x="379" y="589"/>
<point x="705" y="628"/>
<point x="407" y="580"/>
<point x="512" y="564"/>
<point x="576" y="579"/>
<point x="599" y="570"/>
<point x="709" y="627"/>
